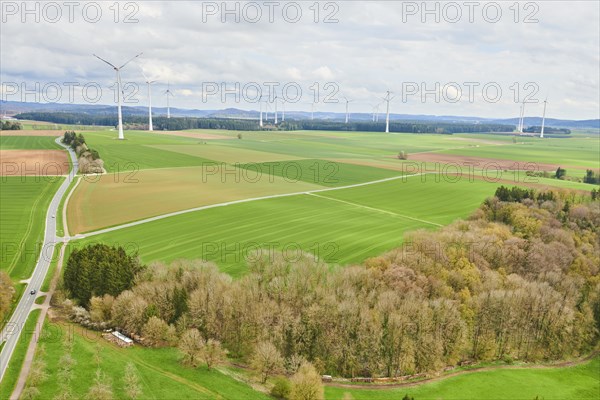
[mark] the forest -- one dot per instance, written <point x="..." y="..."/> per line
<point x="518" y="280"/>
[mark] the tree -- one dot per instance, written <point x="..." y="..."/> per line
<point x="560" y="173"/>
<point x="99" y="269"/>
<point x="155" y="331"/>
<point x="101" y="389"/>
<point x="281" y="389"/>
<point x="213" y="353"/>
<point x="190" y="345"/>
<point x="306" y="384"/>
<point x="266" y="360"/>
<point x="131" y="380"/>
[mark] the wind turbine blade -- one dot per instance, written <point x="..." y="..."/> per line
<point x="130" y="60"/>
<point x="102" y="59"/>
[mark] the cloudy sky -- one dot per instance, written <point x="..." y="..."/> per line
<point x="449" y="59"/>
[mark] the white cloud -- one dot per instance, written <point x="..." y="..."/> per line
<point x="368" y="51"/>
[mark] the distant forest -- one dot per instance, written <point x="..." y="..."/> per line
<point x="173" y="124"/>
<point x="555" y="131"/>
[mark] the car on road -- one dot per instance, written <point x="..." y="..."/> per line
<point x="53" y="215"/>
<point x="33" y="291"/>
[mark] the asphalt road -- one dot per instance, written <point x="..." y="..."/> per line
<point x="14" y="327"/>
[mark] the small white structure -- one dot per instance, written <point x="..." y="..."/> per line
<point x="126" y="340"/>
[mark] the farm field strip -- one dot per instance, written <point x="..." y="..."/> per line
<point x="24" y="204"/>
<point x="26" y="142"/>
<point x="235" y="202"/>
<point x="111" y="199"/>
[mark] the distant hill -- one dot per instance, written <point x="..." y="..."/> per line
<point x="12" y="108"/>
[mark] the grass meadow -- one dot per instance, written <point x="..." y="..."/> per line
<point x="580" y="382"/>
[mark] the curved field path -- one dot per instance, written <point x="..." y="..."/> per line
<point x="386" y="386"/>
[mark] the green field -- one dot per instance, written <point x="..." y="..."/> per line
<point x="136" y="152"/>
<point x="323" y="223"/>
<point x="580" y="153"/>
<point x="28" y="142"/>
<point x="24" y="204"/>
<point x="579" y="382"/>
<point x="161" y="375"/>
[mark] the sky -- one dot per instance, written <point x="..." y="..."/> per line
<point x="437" y="58"/>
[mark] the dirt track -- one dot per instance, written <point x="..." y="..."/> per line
<point x="457" y="373"/>
<point x="33" y="162"/>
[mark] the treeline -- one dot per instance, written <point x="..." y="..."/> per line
<point x="7" y="293"/>
<point x="89" y="160"/>
<point x="396" y="126"/>
<point x="10" y="126"/>
<point x="181" y="123"/>
<point x="547" y="130"/>
<point x="519" y="280"/>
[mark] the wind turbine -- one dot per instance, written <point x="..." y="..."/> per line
<point x="276" y="109"/>
<point x="118" y="71"/>
<point x="376" y="113"/>
<point x="282" y="110"/>
<point x="168" y="93"/>
<point x="522" y="121"/>
<point x="312" y="111"/>
<point x="543" y="119"/>
<point x="347" y="101"/>
<point x="149" y="82"/>
<point x="387" y="99"/>
<point x="260" y="120"/>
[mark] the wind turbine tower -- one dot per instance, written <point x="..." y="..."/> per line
<point x="276" y="109"/>
<point x="387" y="99"/>
<point x="168" y="93"/>
<point x="347" y="102"/>
<point x="149" y="82"/>
<point x="118" y="71"/>
<point x="543" y="119"/>
<point x="260" y="121"/>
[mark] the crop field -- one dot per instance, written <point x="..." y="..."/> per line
<point x="24" y="204"/>
<point x="322" y="223"/>
<point x="575" y="153"/>
<point x="118" y="198"/>
<point x="341" y="196"/>
<point x="27" y="142"/>
<point x="580" y="382"/>
<point x="33" y="162"/>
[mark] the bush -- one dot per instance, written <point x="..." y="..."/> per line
<point x="403" y="155"/>
<point x="281" y="390"/>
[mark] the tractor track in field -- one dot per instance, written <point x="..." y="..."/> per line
<point x="388" y="386"/>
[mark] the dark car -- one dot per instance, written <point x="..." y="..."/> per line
<point x="33" y="291"/>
